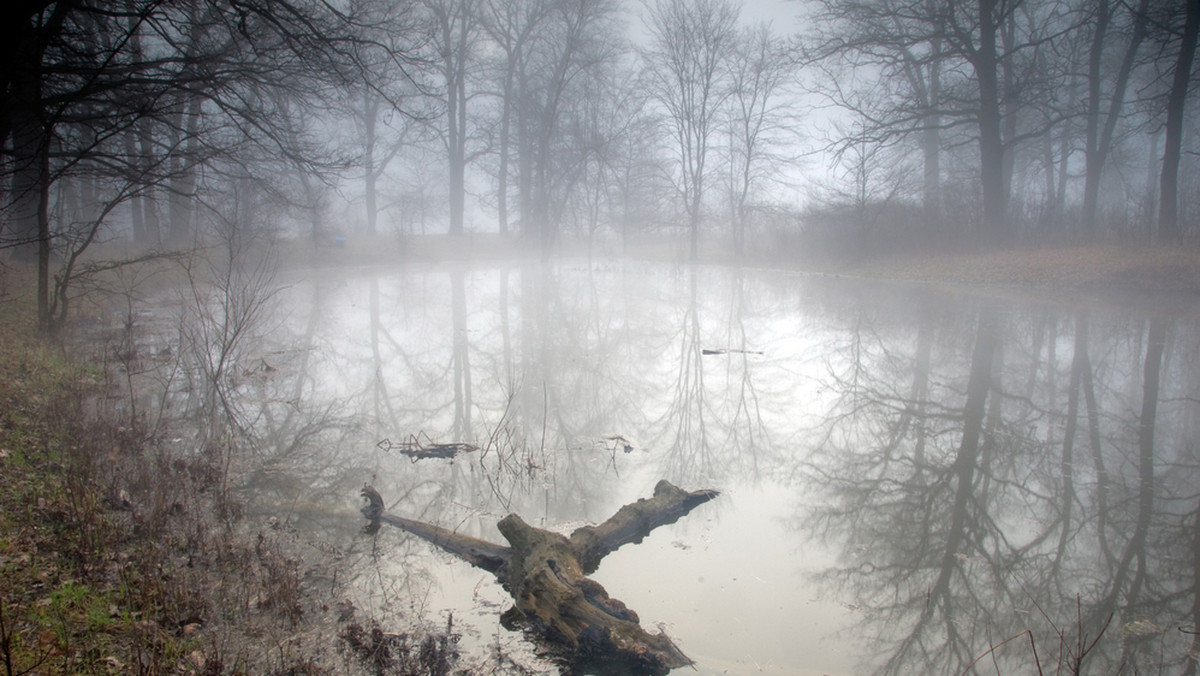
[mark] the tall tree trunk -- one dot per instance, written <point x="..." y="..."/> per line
<point x="1098" y="140"/>
<point x="183" y="178"/>
<point x="458" y="160"/>
<point x="23" y="118"/>
<point x="694" y="220"/>
<point x="1065" y="148"/>
<point x="456" y="37"/>
<point x="136" y="211"/>
<point x="30" y="152"/>
<point x="506" y="105"/>
<point x="931" y="188"/>
<point x="1092" y="154"/>
<point x="43" y="234"/>
<point x="525" y="158"/>
<point x="149" y="201"/>
<point x="927" y="82"/>
<point x="1009" y="104"/>
<point x="370" y="175"/>
<point x="991" y="142"/>
<point x="1168" y="211"/>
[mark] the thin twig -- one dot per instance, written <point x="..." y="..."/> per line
<point x="1001" y="644"/>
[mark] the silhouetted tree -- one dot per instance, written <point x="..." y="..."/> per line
<point x="456" y="36"/>
<point x="687" y="62"/>
<point x="926" y="67"/>
<point x="1168" y="211"/>
<point x="512" y="26"/>
<point x="1101" y="126"/>
<point x="760" y="120"/>
<point x="133" y="98"/>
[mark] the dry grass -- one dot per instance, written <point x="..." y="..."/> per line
<point x="1105" y="269"/>
<point x="363" y="250"/>
<point x="108" y="561"/>
<point x="121" y="557"/>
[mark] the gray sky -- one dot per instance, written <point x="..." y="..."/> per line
<point x="781" y="14"/>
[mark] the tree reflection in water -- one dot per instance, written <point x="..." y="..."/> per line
<point x="962" y="470"/>
<point x="967" y="513"/>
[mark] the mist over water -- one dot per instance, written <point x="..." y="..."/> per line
<point x="909" y="476"/>
<point x="308" y="231"/>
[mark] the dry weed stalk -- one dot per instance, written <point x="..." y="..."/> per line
<point x="1071" y="654"/>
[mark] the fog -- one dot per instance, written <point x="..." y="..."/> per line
<point x="909" y="476"/>
<point x="574" y="240"/>
<point x="797" y="128"/>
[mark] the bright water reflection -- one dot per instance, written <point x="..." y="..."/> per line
<point x="910" y="476"/>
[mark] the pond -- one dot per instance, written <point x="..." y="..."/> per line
<point x="910" y="477"/>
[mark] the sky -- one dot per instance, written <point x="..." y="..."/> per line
<point x="781" y="14"/>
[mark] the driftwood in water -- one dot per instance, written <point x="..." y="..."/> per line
<point x="546" y="574"/>
<point x="417" y="449"/>
<point x="727" y="350"/>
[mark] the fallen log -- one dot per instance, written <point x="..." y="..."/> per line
<point x="545" y="573"/>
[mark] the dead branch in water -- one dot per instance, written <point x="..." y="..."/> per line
<point x="546" y="575"/>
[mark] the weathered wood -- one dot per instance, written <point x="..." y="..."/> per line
<point x="727" y="350"/>
<point x="634" y="521"/>
<point x="479" y="553"/>
<point x="545" y="573"/>
<point x="548" y="584"/>
<point x="420" y="447"/>
<point x="450" y="451"/>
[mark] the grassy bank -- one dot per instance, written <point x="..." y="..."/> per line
<point x="118" y="556"/>
<point x="1095" y="269"/>
<point x="1098" y="269"/>
<point x="108" y="554"/>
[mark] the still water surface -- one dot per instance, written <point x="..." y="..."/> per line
<point x="909" y="476"/>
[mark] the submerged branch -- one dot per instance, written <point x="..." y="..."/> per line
<point x="545" y="573"/>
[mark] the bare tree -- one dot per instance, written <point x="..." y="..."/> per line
<point x="199" y="84"/>
<point x="922" y="67"/>
<point x="637" y="168"/>
<point x="1168" y="211"/>
<point x="455" y="37"/>
<point x="687" y="61"/>
<point x="1101" y="127"/>
<point x="512" y="26"/>
<point x="388" y="104"/>
<point x="602" y="127"/>
<point x="760" y="121"/>
<point x="568" y="59"/>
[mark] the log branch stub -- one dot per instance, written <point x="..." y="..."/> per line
<point x="633" y="522"/>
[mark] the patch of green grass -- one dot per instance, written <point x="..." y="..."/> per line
<point x="78" y="607"/>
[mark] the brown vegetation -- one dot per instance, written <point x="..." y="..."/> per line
<point x="118" y="557"/>
<point x="1096" y="269"/>
<point x="122" y="557"/>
